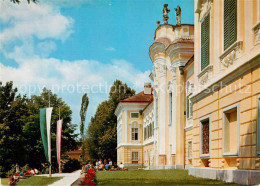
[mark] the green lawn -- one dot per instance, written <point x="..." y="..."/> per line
<point x="34" y="180"/>
<point x="151" y="177"/>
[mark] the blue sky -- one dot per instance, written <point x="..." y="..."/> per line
<point x="73" y="47"/>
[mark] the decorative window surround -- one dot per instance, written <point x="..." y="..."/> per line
<point x="203" y="119"/>
<point x="231" y="54"/>
<point x="205" y="9"/>
<point x="258" y="124"/>
<point x="224" y="122"/>
<point x="256" y="30"/>
<point x="205" y="74"/>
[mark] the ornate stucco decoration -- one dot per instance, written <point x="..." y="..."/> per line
<point x="256" y="30"/>
<point x="175" y="50"/>
<point x="190" y="87"/>
<point x="161" y="70"/>
<point x="205" y="8"/>
<point x="173" y="71"/>
<point x="156" y="48"/>
<point x="205" y="75"/>
<point x="231" y="54"/>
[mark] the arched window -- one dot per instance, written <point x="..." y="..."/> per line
<point x="134" y="131"/>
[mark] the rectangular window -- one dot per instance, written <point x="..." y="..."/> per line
<point x="188" y="107"/>
<point x="189" y="150"/>
<point x="152" y="128"/>
<point x="134" y="133"/>
<point x="170" y="108"/>
<point x="258" y="126"/>
<point x="134" y="115"/>
<point x="230" y="22"/>
<point x="230" y="131"/>
<point x="135" y="156"/>
<point x="205" y="32"/>
<point x="145" y="133"/>
<point x="205" y="137"/>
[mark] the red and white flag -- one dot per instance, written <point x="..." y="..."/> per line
<point x="58" y="139"/>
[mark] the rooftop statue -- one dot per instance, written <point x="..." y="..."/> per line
<point x="165" y="14"/>
<point x="178" y="15"/>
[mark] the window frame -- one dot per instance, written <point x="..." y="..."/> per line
<point x="203" y="119"/>
<point x="170" y="108"/>
<point x="134" y="133"/>
<point x="189" y="106"/>
<point x="230" y="44"/>
<point x="134" y="113"/>
<point x="133" y="156"/>
<point x="258" y="127"/>
<point x="226" y="110"/>
<point x="202" y="20"/>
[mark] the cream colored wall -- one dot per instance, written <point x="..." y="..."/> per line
<point x="128" y="156"/>
<point x="214" y="103"/>
<point x="244" y="90"/>
<point x="246" y="20"/>
<point x="149" y="148"/>
<point x="123" y="126"/>
<point x="188" y="76"/>
<point x="140" y="122"/>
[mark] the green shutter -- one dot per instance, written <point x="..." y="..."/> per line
<point x="205" y="32"/>
<point x="230" y="22"/>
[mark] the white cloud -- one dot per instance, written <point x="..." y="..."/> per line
<point x="24" y="23"/>
<point x="111" y="49"/>
<point x="32" y="20"/>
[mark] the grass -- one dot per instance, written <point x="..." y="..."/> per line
<point x="34" y="180"/>
<point x="154" y="177"/>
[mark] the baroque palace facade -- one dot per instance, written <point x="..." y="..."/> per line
<point x="203" y="111"/>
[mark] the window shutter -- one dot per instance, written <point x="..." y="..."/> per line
<point x="230" y="22"/>
<point x="205" y="32"/>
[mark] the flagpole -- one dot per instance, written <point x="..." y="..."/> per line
<point x="50" y="148"/>
<point x="57" y="129"/>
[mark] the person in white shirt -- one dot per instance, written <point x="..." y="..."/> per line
<point x="121" y="165"/>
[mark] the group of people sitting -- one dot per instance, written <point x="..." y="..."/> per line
<point x="105" y="165"/>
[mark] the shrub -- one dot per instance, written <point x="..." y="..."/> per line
<point x="2" y="172"/>
<point x="11" y="171"/>
<point x="71" y="165"/>
<point x="25" y="168"/>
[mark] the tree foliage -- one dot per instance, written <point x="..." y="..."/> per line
<point x="20" y="137"/>
<point x="101" y="134"/>
<point x="83" y="111"/>
<point x="18" y="1"/>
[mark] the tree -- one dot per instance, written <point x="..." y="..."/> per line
<point x="83" y="111"/>
<point x="13" y="111"/>
<point x="101" y="134"/>
<point x="20" y="138"/>
<point x="18" y="1"/>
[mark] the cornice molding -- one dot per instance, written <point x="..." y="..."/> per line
<point x="227" y="78"/>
